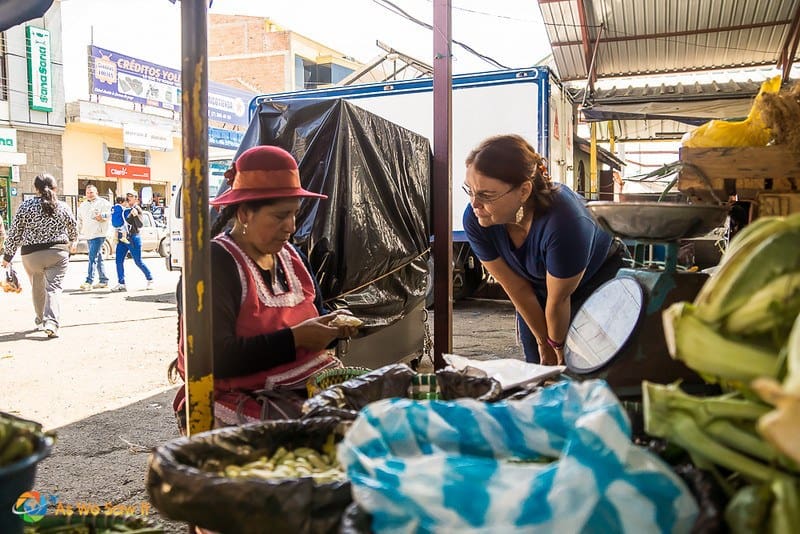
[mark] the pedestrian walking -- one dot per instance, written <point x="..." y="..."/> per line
<point x="45" y="230"/>
<point x="93" y="218"/>
<point x="133" y="218"/>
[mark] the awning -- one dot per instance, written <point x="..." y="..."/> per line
<point x="598" y="39"/>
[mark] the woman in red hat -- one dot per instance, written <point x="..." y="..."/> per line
<point x="271" y="331"/>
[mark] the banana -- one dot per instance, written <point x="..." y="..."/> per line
<point x="749" y="269"/>
<point x="774" y="305"/>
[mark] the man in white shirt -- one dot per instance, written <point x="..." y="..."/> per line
<point x="93" y="218"/>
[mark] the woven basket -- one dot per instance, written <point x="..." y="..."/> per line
<point x="331" y="377"/>
<point x="424" y="387"/>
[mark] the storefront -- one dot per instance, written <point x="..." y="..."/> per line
<point x="10" y="159"/>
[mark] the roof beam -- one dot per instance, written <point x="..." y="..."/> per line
<point x="682" y="33"/>
<point x="587" y="55"/>
<point x="792" y="38"/>
<point x="673" y="71"/>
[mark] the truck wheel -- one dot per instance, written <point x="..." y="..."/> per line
<point x="162" y="248"/>
<point x="468" y="274"/>
<point x="471" y="274"/>
<point x="106" y="250"/>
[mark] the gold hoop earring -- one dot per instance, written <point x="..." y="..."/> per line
<point x="520" y="214"/>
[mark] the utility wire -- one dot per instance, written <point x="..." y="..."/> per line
<point x="394" y="8"/>
<point x="495" y="15"/>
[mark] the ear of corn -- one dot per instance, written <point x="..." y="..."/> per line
<point x="736" y="281"/>
<point x="773" y="306"/>
<point x="743" y="330"/>
<point x="711" y="354"/>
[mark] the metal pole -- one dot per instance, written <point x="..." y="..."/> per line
<point x="197" y="266"/>
<point x="442" y="186"/>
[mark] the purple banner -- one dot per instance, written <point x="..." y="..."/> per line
<point x="127" y="78"/>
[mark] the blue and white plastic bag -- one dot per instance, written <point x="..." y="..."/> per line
<point x="430" y="466"/>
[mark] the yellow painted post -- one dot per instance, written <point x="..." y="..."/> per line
<point x="612" y="138"/>
<point x="198" y="346"/>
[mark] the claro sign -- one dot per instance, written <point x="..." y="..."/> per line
<point x="40" y="83"/>
<point x="120" y="170"/>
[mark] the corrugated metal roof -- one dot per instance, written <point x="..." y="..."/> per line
<point x="646" y="37"/>
<point x="626" y="131"/>
<point x="677" y="92"/>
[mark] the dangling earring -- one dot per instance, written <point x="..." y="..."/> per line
<point x="520" y="214"/>
<point x="244" y="230"/>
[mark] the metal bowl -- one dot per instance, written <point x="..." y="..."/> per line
<point x="657" y="221"/>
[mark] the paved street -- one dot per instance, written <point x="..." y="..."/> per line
<point x="102" y="383"/>
<point x="112" y="349"/>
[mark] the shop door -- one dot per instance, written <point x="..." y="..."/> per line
<point x="5" y="200"/>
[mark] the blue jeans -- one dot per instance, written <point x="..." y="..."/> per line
<point x="135" y="248"/>
<point x="95" y="245"/>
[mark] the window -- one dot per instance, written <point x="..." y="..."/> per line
<point x="134" y="157"/>
<point x="310" y="75"/>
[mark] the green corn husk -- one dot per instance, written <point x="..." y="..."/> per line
<point x="749" y="269"/>
<point x="774" y="306"/>
<point x="706" y="351"/>
<point x="727" y="419"/>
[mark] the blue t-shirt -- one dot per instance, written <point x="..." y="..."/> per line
<point x="117" y="220"/>
<point x="563" y="242"/>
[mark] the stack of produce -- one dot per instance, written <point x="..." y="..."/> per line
<point x="18" y="439"/>
<point x="743" y="333"/>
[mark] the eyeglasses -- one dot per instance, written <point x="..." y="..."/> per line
<point x="482" y="197"/>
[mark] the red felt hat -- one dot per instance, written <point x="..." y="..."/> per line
<point x="263" y="172"/>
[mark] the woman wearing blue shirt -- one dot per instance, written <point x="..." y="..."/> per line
<point x="537" y="239"/>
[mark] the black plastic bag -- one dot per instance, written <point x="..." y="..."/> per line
<point x="356" y="521"/>
<point x="181" y="490"/>
<point x="456" y="385"/>
<point x="345" y="400"/>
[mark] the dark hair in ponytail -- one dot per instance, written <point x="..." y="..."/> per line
<point x="45" y="184"/>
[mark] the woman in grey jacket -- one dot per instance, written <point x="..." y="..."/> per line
<point x="45" y="229"/>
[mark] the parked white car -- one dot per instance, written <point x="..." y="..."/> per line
<point x="153" y="239"/>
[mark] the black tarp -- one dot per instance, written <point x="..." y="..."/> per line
<point x="367" y="242"/>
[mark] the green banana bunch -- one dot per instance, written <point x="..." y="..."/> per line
<point x="766" y="249"/>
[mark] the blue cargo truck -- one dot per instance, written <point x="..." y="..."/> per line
<point x="529" y="102"/>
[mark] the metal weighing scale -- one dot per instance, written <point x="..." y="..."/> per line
<point x="617" y="334"/>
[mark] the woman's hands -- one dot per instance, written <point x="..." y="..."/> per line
<point x="550" y="356"/>
<point x="316" y="334"/>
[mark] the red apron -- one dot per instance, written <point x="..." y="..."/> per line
<point x="265" y="310"/>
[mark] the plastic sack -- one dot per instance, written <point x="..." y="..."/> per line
<point x="752" y="131"/>
<point x="10" y="281"/>
<point x="414" y="465"/>
<point x="346" y="399"/>
<point x="183" y="488"/>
